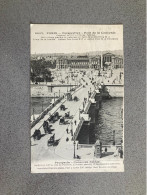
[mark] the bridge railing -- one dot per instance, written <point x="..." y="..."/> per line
<point x="87" y="106"/>
<point x="93" y="94"/>
<point x="41" y="116"/>
<point x="78" y="128"/>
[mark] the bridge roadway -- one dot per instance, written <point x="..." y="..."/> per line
<point x="64" y="150"/>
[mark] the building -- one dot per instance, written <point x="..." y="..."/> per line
<point x="112" y="61"/>
<point x="95" y="62"/>
<point x="109" y="61"/>
<point x="117" y="62"/>
<point x="79" y="62"/>
<point x="62" y="63"/>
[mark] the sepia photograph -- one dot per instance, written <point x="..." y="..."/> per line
<point x="77" y="98"/>
<point x="73" y="98"/>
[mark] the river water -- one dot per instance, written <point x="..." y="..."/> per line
<point x="110" y="119"/>
<point x="38" y="102"/>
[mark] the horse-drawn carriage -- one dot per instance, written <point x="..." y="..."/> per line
<point x="67" y="114"/>
<point x="62" y="107"/>
<point x="56" y="116"/>
<point x="62" y="121"/>
<point x="76" y="98"/>
<point x="37" y="134"/>
<point x="46" y="127"/>
<point x="51" y="141"/>
<point x="53" y="118"/>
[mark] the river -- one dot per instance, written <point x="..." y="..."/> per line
<point x="38" y="102"/>
<point x="110" y="119"/>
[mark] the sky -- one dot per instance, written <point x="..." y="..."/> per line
<point x="40" y="45"/>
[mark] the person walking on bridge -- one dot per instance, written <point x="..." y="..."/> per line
<point x="71" y="131"/>
<point x="75" y="122"/>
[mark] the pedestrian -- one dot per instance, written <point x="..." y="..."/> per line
<point x="75" y="122"/>
<point x="83" y="105"/>
<point x="67" y="139"/>
<point x="45" y="127"/>
<point x="121" y="153"/>
<point x="71" y="131"/>
<point x="120" y="76"/>
<point x="105" y="150"/>
<point x="67" y="130"/>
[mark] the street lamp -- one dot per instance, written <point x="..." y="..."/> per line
<point x="79" y="113"/>
<point x="33" y="114"/>
<point x="54" y="97"/>
<point x="42" y="106"/>
<point x="121" y="143"/>
<point x="74" y="148"/>
<point x="114" y="137"/>
<point x="71" y="126"/>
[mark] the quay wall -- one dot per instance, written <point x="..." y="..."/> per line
<point x="115" y="90"/>
<point x="83" y="136"/>
<point x="87" y="131"/>
<point x="50" y="91"/>
<point x="86" y="134"/>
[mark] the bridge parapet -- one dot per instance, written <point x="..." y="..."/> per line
<point x="87" y="106"/>
<point x="85" y="117"/>
<point x="78" y="129"/>
<point x="93" y="94"/>
<point x="49" y="108"/>
<point x="92" y="100"/>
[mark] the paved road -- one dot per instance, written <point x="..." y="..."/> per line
<point x="39" y="149"/>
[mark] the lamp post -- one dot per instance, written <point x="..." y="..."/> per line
<point x="54" y="97"/>
<point x="33" y="114"/>
<point x="74" y="149"/>
<point x="71" y="126"/>
<point x="79" y="113"/>
<point x="121" y="143"/>
<point x="114" y="137"/>
<point x="42" y="106"/>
